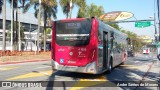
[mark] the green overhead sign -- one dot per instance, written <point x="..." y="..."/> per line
<point x="142" y="24"/>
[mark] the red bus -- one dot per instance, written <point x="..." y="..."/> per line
<point x="86" y="46"/>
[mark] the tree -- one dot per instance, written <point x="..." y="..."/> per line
<point x="65" y="4"/>
<point x="16" y="7"/>
<point x="21" y="32"/>
<point x="4" y="26"/>
<point x="135" y="41"/>
<point x="1" y="3"/>
<point x="48" y="9"/>
<point x="91" y="11"/>
<point x="114" y="25"/>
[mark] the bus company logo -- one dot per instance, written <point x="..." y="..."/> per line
<point x="61" y="60"/>
<point x="71" y="53"/>
<point x="6" y="84"/>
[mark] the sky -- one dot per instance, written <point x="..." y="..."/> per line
<point x="142" y="9"/>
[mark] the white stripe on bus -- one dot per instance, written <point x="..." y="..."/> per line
<point x="62" y="35"/>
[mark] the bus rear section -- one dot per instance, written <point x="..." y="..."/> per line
<point x="74" y="46"/>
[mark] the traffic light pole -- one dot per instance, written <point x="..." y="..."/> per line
<point x="158" y="17"/>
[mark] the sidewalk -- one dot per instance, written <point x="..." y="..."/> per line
<point x="25" y="58"/>
<point x="154" y="72"/>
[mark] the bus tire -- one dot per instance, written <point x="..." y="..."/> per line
<point x="110" y="68"/>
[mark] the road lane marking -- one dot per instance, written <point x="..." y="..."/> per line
<point x="137" y="61"/>
<point x="31" y="75"/>
<point x="82" y="84"/>
<point x="127" y="65"/>
<point x="8" y="68"/>
<point x="131" y="66"/>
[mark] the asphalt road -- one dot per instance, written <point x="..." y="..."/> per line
<point x="136" y="69"/>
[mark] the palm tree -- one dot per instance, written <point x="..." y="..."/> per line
<point x="65" y="4"/>
<point x="15" y="7"/>
<point x="1" y="3"/>
<point x="95" y="11"/>
<point x="91" y="11"/>
<point x="48" y="9"/>
<point x="4" y="26"/>
<point x="21" y="32"/>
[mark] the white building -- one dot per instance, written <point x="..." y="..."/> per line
<point x="29" y="23"/>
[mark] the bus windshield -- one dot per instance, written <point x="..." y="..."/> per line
<point x="75" y="33"/>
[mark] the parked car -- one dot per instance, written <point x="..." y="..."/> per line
<point x="146" y="50"/>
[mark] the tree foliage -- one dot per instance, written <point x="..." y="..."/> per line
<point x="21" y="31"/>
<point x="91" y="11"/>
<point x="1" y="4"/>
<point x="65" y="4"/>
<point x="48" y="10"/>
<point x="135" y="41"/>
<point x="116" y="26"/>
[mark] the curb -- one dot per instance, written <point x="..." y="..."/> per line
<point x="16" y="62"/>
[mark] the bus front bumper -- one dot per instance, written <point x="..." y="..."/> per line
<point x="89" y="68"/>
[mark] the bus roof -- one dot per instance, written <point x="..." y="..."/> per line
<point x="100" y="22"/>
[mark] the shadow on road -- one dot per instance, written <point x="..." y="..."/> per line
<point x="118" y="74"/>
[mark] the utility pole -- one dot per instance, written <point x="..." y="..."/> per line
<point x="155" y="26"/>
<point x="158" y="17"/>
<point x="4" y="26"/>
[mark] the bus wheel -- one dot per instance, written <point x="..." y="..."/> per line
<point x="110" y="67"/>
<point x="158" y="56"/>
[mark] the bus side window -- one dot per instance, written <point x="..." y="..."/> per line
<point x="111" y="39"/>
<point x="100" y="38"/>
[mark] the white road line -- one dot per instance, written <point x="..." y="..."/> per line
<point x="137" y="61"/>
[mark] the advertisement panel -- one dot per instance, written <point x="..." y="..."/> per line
<point x="116" y="16"/>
